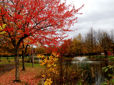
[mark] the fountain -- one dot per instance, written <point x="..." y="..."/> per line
<point x="79" y="59"/>
<point x="83" y="60"/>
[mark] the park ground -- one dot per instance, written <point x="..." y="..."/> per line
<point x="31" y="76"/>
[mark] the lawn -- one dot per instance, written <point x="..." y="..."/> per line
<point x="110" y="57"/>
<point x="99" y="57"/>
<point x="11" y="61"/>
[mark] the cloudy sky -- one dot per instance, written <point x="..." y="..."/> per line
<point x="97" y="14"/>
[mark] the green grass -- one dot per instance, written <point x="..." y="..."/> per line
<point x="104" y="56"/>
<point x="6" y="62"/>
<point x="5" y="58"/>
<point x="30" y="65"/>
<point x="11" y="61"/>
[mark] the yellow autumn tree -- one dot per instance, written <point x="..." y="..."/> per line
<point x="50" y="62"/>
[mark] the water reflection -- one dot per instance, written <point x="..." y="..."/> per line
<point x="100" y="75"/>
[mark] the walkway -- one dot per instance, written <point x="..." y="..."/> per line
<point x="6" y="68"/>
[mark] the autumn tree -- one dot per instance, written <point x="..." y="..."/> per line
<point x="65" y="47"/>
<point x="44" y="21"/>
<point x="1" y="46"/>
<point x="40" y="50"/>
<point x="106" y="43"/>
<point x="5" y="45"/>
<point x="24" y="46"/>
<point x="112" y="44"/>
<point x="79" y="37"/>
<point x="90" y="42"/>
<point x="77" y="45"/>
<point x="87" y="44"/>
<point x="4" y="50"/>
<point x="84" y="47"/>
<point x="99" y="38"/>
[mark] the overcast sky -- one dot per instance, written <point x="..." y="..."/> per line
<point x="97" y="14"/>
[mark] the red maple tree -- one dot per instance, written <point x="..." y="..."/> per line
<point x="64" y="47"/>
<point x="45" y="21"/>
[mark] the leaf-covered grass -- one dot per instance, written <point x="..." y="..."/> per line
<point x="29" y="77"/>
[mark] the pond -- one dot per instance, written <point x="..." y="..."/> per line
<point x="99" y="74"/>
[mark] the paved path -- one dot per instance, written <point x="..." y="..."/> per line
<point x="6" y="68"/>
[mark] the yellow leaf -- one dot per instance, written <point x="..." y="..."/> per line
<point x="43" y="76"/>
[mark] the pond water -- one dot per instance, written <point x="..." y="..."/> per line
<point x="97" y="66"/>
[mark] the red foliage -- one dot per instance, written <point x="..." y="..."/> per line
<point x="44" y="21"/>
<point x="64" y="46"/>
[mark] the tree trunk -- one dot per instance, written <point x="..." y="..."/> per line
<point x="7" y="58"/>
<point x="93" y="55"/>
<point x="23" y="63"/>
<point x="32" y="61"/>
<point x="23" y="55"/>
<point x="32" y="57"/>
<point x="16" y="65"/>
<point x="113" y="51"/>
<point x="89" y="55"/>
<point x="61" y="70"/>
<point x="0" y="58"/>
<point x="105" y="51"/>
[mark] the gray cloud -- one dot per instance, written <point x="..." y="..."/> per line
<point x="97" y="14"/>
